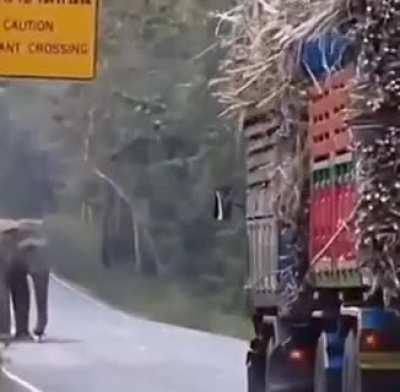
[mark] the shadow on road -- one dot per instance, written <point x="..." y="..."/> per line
<point x="47" y="341"/>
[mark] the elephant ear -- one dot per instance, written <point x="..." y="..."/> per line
<point x="8" y="225"/>
<point x="8" y="233"/>
<point x="8" y="239"/>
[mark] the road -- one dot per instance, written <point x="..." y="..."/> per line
<point x="93" y="347"/>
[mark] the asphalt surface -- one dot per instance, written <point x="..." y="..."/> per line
<point x="93" y="347"/>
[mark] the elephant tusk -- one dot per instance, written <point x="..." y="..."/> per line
<point x="32" y="243"/>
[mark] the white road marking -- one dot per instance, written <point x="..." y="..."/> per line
<point x="77" y="290"/>
<point x="23" y="383"/>
<point x="19" y="381"/>
<point x="88" y="297"/>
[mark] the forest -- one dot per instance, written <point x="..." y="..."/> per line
<point x="124" y="168"/>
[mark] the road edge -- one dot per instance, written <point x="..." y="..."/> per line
<point x="20" y="381"/>
<point x="88" y="296"/>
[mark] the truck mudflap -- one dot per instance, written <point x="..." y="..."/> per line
<point x="255" y="363"/>
<point x="290" y="363"/>
<point x="289" y="369"/>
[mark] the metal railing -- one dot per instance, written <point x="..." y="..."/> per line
<point x="283" y="282"/>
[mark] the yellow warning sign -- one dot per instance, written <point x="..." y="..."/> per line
<point x="48" y="38"/>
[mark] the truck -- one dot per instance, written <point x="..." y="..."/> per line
<point x="317" y="283"/>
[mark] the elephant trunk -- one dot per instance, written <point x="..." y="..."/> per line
<point x="21" y="300"/>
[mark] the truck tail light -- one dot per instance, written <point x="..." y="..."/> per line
<point x="371" y="340"/>
<point x="380" y="340"/>
<point x="296" y="355"/>
<point x="301" y="357"/>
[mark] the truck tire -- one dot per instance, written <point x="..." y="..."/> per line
<point x="351" y="376"/>
<point x="256" y="358"/>
<point x="320" y="376"/>
<point x="255" y="372"/>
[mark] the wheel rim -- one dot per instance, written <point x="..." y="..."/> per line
<point x="357" y="370"/>
<point x="270" y="348"/>
<point x="345" y="369"/>
<point x="349" y="365"/>
<point x="319" y="372"/>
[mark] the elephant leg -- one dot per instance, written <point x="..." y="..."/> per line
<point x="5" y="316"/>
<point x="41" y="287"/>
<point x="21" y="302"/>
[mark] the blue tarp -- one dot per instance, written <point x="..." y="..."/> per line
<point x="325" y="54"/>
<point x="287" y="251"/>
<point x="379" y="319"/>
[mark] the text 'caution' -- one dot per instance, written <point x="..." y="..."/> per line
<point x="48" y="38"/>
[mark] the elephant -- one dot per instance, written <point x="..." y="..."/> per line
<point x="21" y="255"/>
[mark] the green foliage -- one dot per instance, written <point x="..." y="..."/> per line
<point x="148" y="122"/>
<point x="206" y="305"/>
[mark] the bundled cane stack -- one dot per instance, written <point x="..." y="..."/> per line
<point x="256" y="84"/>
<point x="378" y="218"/>
<point x="379" y="60"/>
<point x="261" y="74"/>
<point x="262" y="83"/>
<point x="263" y="39"/>
<point x="376" y="118"/>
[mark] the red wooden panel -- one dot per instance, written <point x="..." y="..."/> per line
<point x="340" y="243"/>
<point x="314" y="216"/>
<point x="349" y="251"/>
<point x="328" y="132"/>
<point x="331" y="205"/>
<point x="329" y="215"/>
<point x="329" y="138"/>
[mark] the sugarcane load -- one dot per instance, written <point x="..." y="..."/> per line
<point x="314" y="88"/>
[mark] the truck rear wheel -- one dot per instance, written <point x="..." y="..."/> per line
<point x="256" y="359"/>
<point x="256" y="372"/>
